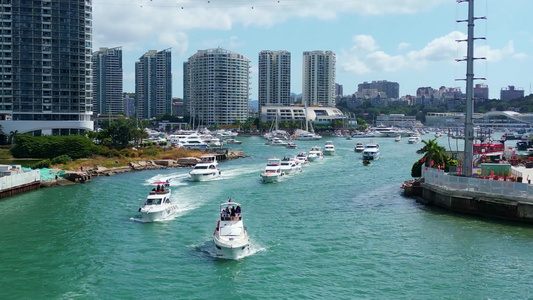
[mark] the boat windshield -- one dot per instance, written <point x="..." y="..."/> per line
<point x="201" y="167"/>
<point x="153" y="201"/>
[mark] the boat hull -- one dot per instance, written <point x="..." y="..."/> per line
<point x="159" y="214"/>
<point x="236" y="250"/>
<point x="270" y="178"/>
<point x="204" y="176"/>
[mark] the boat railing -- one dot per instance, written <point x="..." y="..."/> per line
<point x="439" y="178"/>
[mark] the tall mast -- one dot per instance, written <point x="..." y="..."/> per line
<point x="469" y="125"/>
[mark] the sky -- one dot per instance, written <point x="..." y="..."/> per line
<point x="412" y="42"/>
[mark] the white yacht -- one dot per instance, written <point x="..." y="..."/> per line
<point x="302" y="158"/>
<point x="359" y="147"/>
<point x="232" y="141"/>
<point x="289" y="165"/>
<point x="291" y="145"/>
<point x="272" y="171"/>
<point x="158" y="205"/>
<point x="315" y="154"/>
<point x="413" y="139"/>
<point x="329" y="148"/>
<point x="398" y="138"/>
<point x="190" y="140"/>
<point x="231" y="238"/>
<point x="276" y="142"/>
<point x="206" y="169"/>
<point x="371" y="152"/>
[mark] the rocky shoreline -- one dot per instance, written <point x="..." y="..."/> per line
<point x="86" y="174"/>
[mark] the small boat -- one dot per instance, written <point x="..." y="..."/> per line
<point x="206" y="169"/>
<point x="230" y="237"/>
<point x="158" y="205"/>
<point x="359" y="147"/>
<point x="289" y="165"/>
<point x="302" y="158"/>
<point x="413" y="139"/>
<point x="233" y="141"/>
<point x="329" y="148"/>
<point x="371" y="152"/>
<point x="398" y="138"/>
<point x="291" y="145"/>
<point x="315" y="154"/>
<point x="276" y="142"/>
<point x="366" y="162"/>
<point x="272" y="171"/>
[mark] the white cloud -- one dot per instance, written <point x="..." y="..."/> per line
<point x="365" y="57"/>
<point x="403" y="46"/>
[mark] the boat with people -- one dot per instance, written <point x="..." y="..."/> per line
<point x="329" y="148"/>
<point x="302" y="158"/>
<point x="289" y="165"/>
<point x="315" y="154"/>
<point x="158" y="206"/>
<point x="371" y="152"/>
<point x="359" y="147"/>
<point x="206" y="169"/>
<point x="231" y="237"/>
<point x="272" y="171"/>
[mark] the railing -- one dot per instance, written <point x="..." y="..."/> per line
<point x="14" y="180"/>
<point x="444" y="180"/>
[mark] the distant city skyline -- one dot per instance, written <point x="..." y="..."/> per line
<point x="409" y="42"/>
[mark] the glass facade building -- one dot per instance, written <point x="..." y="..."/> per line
<point x="107" y="81"/>
<point x="45" y="66"/>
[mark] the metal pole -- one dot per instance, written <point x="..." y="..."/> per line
<point x="469" y="126"/>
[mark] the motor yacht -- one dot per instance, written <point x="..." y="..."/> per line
<point x="291" y="145"/>
<point x="329" y="148"/>
<point x="272" y="171"/>
<point x="413" y="139"/>
<point x="302" y="158"/>
<point x="371" y="152"/>
<point x="359" y="147"/>
<point x="289" y="165"/>
<point x="206" y="169"/>
<point x="231" y="237"/>
<point x="158" y="205"/>
<point x="276" y="142"/>
<point x="398" y="138"/>
<point x="315" y="154"/>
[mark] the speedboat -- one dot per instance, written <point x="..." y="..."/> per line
<point x="398" y="138"/>
<point x="158" y="205"/>
<point x="359" y="147"/>
<point x="233" y="141"/>
<point x="302" y="158"/>
<point x="206" y="169"/>
<point x="272" y="171"/>
<point x="329" y="148"/>
<point x="315" y="154"/>
<point x="230" y="237"/>
<point x="276" y="142"/>
<point x="413" y="139"/>
<point x="291" y="145"/>
<point x="289" y="165"/>
<point x="371" y="152"/>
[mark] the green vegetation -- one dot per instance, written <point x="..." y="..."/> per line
<point x="435" y="156"/>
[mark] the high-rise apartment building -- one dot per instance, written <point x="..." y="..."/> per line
<point x="511" y="93"/>
<point x="318" y="80"/>
<point x="153" y="84"/>
<point x="45" y="66"/>
<point x="274" y="81"/>
<point x="107" y="81"/>
<point x="217" y="86"/>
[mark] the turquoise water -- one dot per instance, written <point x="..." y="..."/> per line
<point x="338" y="230"/>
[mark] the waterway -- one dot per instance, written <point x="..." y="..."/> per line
<point x="338" y="230"/>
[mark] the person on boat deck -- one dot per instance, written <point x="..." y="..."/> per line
<point x="227" y="211"/>
<point x="158" y="188"/>
<point x="223" y="214"/>
<point x="233" y="212"/>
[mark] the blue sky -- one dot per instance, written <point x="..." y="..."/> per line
<point x="412" y="42"/>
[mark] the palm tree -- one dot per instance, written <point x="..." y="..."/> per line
<point x="434" y="154"/>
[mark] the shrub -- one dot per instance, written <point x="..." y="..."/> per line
<point x="61" y="160"/>
<point x="45" y="163"/>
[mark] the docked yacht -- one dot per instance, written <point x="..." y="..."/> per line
<point x="329" y="148"/>
<point x="272" y="171"/>
<point x="158" y="205"/>
<point x="230" y="237"/>
<point x="359" y="147"/>
<point x="289" y="165"/>
<point x="371" y="152"/>
<point x="315" y="154"/>
<point x="206" y="169"/>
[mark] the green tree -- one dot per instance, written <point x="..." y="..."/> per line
<point x="434" y="154"/>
